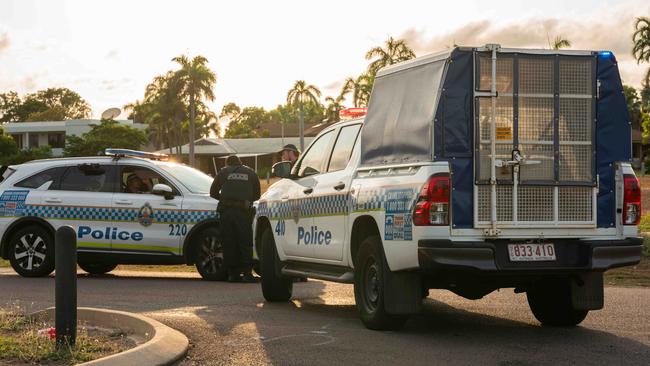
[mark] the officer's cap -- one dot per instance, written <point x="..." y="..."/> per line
<point x="290" y="147"/>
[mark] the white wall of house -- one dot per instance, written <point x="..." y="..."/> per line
<point x="41" y="130"/>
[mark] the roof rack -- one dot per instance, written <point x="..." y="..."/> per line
<point x="121" y="153"/>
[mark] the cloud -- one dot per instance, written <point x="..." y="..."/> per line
<point x="335" y="85"/>
<point x="29" y="83"/>
<point x="111" y="54"/>
<point x="612" y="33"/>
<point x="4" y="42"/>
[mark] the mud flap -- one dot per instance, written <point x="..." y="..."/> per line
<point x="402" y="291"/>
<point x="587" y="291"/>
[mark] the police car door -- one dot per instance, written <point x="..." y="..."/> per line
<point x="302" y="235"/>
<point x="332" y="197"/>
<point x="82" y="199"/>
<point x="147" y="221"/>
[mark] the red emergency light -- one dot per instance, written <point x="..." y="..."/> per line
<point x="353" y="112"/>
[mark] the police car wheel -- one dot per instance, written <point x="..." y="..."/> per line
<point x="275" y="286"/>
<point x="97" y="268"/>
<point x="32" y="252"/>
<point x="369" y="288"/>
<point x="550" y="302"/>
<point x="209" y="255"/>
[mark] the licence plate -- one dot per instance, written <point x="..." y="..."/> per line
<point x="531" y="252"/>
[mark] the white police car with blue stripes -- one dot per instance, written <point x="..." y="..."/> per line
<point x="127" y="207"/>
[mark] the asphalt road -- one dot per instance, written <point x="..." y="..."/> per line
<point x="231" y="324"/>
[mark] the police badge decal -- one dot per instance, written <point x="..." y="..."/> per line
<point x="146" y="215"/>
<point x="295" y="211"/>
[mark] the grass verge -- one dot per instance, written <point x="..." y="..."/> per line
<point x="20" y="342"/>
<point x="638" y="275"/>
<point x="4" y="263"/>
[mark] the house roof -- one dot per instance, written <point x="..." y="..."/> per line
<point x="240" y="147"/>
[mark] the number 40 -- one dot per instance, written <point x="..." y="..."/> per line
<point x="279" y="228"/>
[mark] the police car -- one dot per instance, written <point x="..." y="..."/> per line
<point x="475" y="169"/>
<point x="127" y="207"/>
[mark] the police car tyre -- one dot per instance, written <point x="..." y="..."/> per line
<point x="275" y="286"/>
<point x="209" y="255"/>
<point x="31" y="252"/>
<point x="369" y="287"/>
<point x="550" y="302"/>
<point x="97" y="268"/>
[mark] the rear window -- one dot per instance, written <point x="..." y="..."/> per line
<point x="41" y="178"/>
<point x="5" y="172"/>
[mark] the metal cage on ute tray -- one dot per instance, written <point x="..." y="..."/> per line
<point x="535" y="150"/>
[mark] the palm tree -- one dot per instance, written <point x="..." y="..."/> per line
<point x="396" y="51"/>
<point x="559" y="43"/>
<point x="334" y="107"/>
<point x="361" y="87"/>
<point x="299" y="94"/>
<point x="197" y="82"/>
<point x="641" y="49"/>
<point x="164" y="92"/>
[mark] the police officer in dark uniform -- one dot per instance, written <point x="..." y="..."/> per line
<point x="236" y="187"/>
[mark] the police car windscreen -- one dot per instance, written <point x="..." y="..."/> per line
<point x="194" y="180"/>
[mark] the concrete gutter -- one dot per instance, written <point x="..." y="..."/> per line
<point x="162" y="345"/>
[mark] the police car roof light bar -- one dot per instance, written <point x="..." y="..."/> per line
<point x="120" y="153"/>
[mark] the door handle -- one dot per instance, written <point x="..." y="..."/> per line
<point x="339" y="186"/>
<point x="285" y="198"/>
<point x="53" y="200"/>
<point x="308" y="190"/>
<point x="123" y="202"/>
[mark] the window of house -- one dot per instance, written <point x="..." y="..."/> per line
<point x="56" y="139"/>
<point x="18" y="137"/>
<point x="33" y="140"/>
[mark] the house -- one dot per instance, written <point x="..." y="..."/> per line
<point x="258" y="153"/>
<point x="52" y="133"/>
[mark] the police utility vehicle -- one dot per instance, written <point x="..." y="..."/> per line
<point x="127" y="207"/>
<point x="475" y="169"/>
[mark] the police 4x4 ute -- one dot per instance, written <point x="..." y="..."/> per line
<point x="475" y="169"/>
<point x="127" y="207"/>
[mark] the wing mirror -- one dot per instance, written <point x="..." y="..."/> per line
<point x="163" y="190"/>
<point x="282" y="169"/>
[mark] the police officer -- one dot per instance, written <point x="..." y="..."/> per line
<point x="289" y="153"/>
<point x="236" y="187"/>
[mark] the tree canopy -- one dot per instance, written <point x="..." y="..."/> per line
<point x="52" y="104"/>
<point x="107" y="134"/>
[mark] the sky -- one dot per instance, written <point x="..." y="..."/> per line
<point x="108" y="51"/>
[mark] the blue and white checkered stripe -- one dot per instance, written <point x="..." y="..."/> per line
<point x="309" y="207"/>
<point x="369" y="200"/>
<point x="117" y="214"/>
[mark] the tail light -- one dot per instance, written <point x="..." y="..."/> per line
<point x="631" y="200"/>
<point x="432" y="207"/>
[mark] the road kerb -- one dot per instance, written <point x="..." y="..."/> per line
<point x="161" y="345"/>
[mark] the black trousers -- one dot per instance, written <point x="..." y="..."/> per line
<point x="237" y="237"/>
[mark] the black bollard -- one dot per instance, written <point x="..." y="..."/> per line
<point x="65" y="249"/>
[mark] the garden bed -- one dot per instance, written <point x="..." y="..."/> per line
<point x="21" y="343"/>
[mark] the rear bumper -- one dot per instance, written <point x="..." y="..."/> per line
<point x="492" y="256"/>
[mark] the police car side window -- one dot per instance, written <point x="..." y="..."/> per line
<point x="137" y="179"/>
<point x="343" y="148"/>
<point x="312" y="162"/>
<point x="82" y="179"/>
<point x="41" y="178"/>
